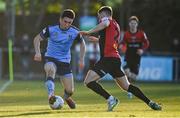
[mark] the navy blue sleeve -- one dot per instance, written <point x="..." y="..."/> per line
<point x="45" y="33"/>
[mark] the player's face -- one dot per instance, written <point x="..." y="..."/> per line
<point x="133" y="24"/>
<point x="65" y="22"/>
<point x="101" y="15"/>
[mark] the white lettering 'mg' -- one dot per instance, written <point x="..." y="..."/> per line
<point x="150" y="74"/>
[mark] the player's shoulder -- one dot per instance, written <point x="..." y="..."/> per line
<point x="74" y="28"/>
<point x="141" y="31"/>
<point x="127" y="32"/>
<point x="53" y="25"/>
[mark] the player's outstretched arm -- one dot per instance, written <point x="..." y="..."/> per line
<point x="97" y="28"/>
<point x="82" y="54"/>
<point x="37" y="56"/>
<point x="93" y="38"/>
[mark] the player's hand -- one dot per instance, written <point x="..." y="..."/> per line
<point x="122" y="48"/>
<point x="37" y="57"/>
<point x="93" y="38"/>
<point x="84" y="32"/>
<point x="140" y="51"/>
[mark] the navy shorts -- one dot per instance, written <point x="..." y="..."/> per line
<point x="62" y="67"/>
<point x="109" y="65"/>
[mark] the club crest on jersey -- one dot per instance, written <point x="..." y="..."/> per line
<point x="55" y="34"/>
<point x="70" y="37"/>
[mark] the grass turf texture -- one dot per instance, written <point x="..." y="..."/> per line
<point x="29" y="99"/>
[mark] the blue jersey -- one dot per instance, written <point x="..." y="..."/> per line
<point x="60" y="41"/>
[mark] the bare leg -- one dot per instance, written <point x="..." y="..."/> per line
<point x="68" y="83"/>
<point x="50" y="69"/>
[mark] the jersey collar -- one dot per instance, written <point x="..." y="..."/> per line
<point x="63" y="29"/>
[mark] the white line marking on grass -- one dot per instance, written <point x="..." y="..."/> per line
<point x="5" y="85"/>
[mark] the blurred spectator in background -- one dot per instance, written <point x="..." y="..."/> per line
<point x="136" y="42"/>
<point x="25" y="46"/>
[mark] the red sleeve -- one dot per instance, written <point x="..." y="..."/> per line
<point x="123" y="41"/>
<point x="145" y="41"/>
<point x="122" y="44"/>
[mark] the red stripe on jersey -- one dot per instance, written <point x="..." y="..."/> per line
<point x="112" y="37"/>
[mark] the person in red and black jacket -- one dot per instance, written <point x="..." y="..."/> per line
<point x="136" y="43"/>
<point x="109" y="65"/>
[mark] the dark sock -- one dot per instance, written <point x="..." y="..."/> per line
<point x="66" y="94"/>
<point x="49" y="78"/>
<point x="96" y="87"/>
<point x="138" y="93"/>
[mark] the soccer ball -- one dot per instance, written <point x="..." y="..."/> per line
<point x="58" y="104"/>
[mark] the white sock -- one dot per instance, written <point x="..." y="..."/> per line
<point x="110" y="98"/>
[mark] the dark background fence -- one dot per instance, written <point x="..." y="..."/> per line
<point x="21" y="20"/>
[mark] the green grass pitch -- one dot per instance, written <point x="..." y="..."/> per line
<point x="29" y="99"/>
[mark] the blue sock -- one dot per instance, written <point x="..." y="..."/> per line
<point x="50" y="86"/>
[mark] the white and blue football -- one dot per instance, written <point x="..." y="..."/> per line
<point x="58" y="104"/>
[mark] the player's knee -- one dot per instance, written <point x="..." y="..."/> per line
<point x="50" y="68"/>
<point x="125" y="87"/>
<point x="85" y="82"/>
<point x="125" y="84"/>
<point x="91" y="76"/>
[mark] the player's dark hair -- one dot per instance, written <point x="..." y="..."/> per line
<point x="134" y="18"/>
<point x="68" y="13"/>
<point x="106" y="9"/>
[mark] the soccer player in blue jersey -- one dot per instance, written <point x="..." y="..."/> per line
<point x="60" y="38"/>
